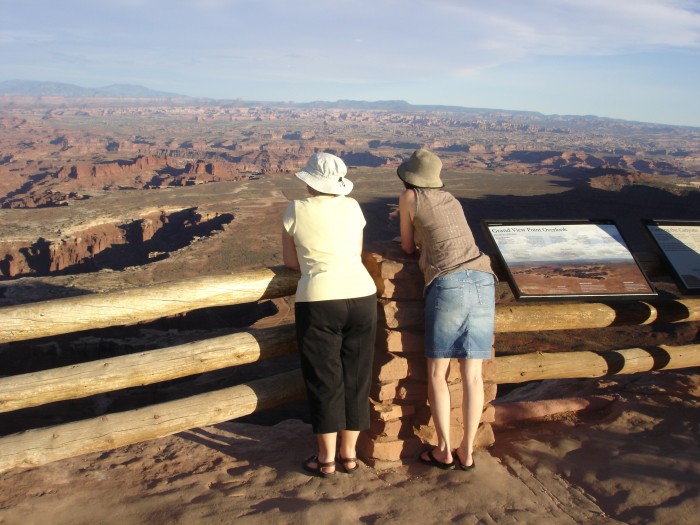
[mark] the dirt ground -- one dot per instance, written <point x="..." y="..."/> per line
<point x="634" y="461"/>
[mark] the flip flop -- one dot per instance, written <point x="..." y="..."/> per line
<point x="461" y="465"/>
<point x="434" y="462"/>
<point x="317" y="470"/>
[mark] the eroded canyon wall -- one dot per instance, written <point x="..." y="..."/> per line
<point x="108" y="245"/>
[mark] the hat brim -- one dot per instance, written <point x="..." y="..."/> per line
<point x="402" y="174"/>
<point x="339" y="186"/>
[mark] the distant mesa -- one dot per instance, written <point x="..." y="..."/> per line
<point x="34" y="88"/>
<point x="62" y="143"/>
<point x="57" y="188"/>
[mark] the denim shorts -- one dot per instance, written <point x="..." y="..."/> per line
<point x="459" y="315"/>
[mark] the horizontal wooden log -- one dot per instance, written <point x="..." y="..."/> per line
<point x="32" y="448"/>
<point x="571" y="316"/>
<point x="402" y="315"/>
<point x="145" y="368"/>
<point x="563" y="365"/>
<point x="535" y="366"/>
<point x="74" y="314"/>
<point x="146" y="303"/>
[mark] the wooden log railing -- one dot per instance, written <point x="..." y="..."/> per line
<point x="61" y="316"/>
<point x="145" y="368"/>
<point x="38" y="447"/>
<point x="573" y="316"/>
<point x="146" y="303"/>
<point x="566" y="365"/>
<point x="89" y="312"/>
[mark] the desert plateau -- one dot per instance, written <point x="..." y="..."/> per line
<point x="106" y="194"/>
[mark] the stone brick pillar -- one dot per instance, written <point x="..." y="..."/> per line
<point x="401" y="425"/>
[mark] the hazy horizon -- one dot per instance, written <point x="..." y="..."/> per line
<point x="291" y="102"/>
<point x="636" y="61"/>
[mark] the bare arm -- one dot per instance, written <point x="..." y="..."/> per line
<point x="289" y="251"/>
<point x="407" y="210"/>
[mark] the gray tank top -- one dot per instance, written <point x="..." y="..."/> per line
<point x="445" y="241"/>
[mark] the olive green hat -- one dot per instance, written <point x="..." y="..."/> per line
<point x="422" y="170"/>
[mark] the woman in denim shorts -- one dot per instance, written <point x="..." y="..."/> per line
<point x="459" y="301"/>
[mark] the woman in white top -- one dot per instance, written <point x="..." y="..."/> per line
<point x="335" y="310"/>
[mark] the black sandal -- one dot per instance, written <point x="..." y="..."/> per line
<point x="344" y="464"/>
<point x="461" y="465"/>
<point x="432" y="461"/>
<point x="317" y="470"/>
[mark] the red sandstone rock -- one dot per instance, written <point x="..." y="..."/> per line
<point x="393" y="369"/>
<point x="404" y="314"/>
<point x="45" y="256"/>
<point x="392" y="428"/>
<point x="401" y="341"/>
<point x="390" y="450"/>
<point x="384" y="392"/>
<point x="397" y="270"/>
<point x="507" y="413"/>
<point x="403" y="289"/>
<point x="390" y="411"/>
<point x="490" y="391"/>
<point x="488" y="367"/>
<point x="400" y="390"/>
<point x="489" y="415"/>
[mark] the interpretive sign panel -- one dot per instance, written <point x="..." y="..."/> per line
<point x="679" y="242"/>
<point x="568" y="259"/>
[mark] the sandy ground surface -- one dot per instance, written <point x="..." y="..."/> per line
<point x="634" y="461"/>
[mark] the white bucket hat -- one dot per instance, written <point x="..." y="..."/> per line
<point x="326" y="173"/>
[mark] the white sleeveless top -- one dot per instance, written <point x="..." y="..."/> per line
<point x="327" y="232"/>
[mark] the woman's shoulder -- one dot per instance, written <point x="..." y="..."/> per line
<point x="408" y="195"/>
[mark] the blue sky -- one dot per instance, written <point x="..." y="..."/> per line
<point x="629" y="59"/>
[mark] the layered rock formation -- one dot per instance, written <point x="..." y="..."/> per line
<point x="109" y="245"/>
<point x="61" y="149"/>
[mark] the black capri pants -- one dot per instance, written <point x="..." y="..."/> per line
<point x="336" y="345"/>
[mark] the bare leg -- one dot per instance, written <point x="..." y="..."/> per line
<point x="326" y="449"/>
<point x="472" y="406"/>
<point x="439" y="397"/>
<point x="348" y="443"/>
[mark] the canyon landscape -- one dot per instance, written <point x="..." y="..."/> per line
<point x="67" y="155"/>
<point x="104" y="193"/>
<point x="99" y="194"/>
